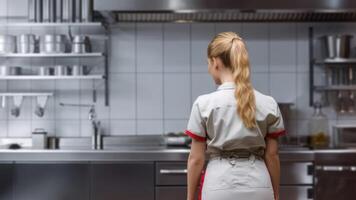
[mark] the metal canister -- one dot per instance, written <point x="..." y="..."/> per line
<point x="38" y="10"/>
<point x="53" y="43"/>
<point x="59" y="10"/>
<point x="61" y="70"/>
<point x="87" y="10"/>
<point x="80" y="44"/>
<point x="78" y="11"/>
<point x="68" y="10"/>
<point x="31" y="15"/>
<point x="26" y="43"/>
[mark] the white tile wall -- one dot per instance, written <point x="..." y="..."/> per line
<point x="149" y="47"/>
<point x="176" y="92"/>
<point x="201" y="34"/>
<point x="283" y="47"/>
<point x="176" y="50"/>
<point x="158" y="69"/>
<point x="149" y="96"/>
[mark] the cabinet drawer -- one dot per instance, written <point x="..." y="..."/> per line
<point x="296" y="192"/>
<point x="171" y="173"/>
<point x="171" y="193"/>
<point x="296" y="173"/>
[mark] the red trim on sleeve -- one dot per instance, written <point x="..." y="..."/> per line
<point x="276" y="134"/>
<point x="195" y="136"/>
<point x="201" y="184"/>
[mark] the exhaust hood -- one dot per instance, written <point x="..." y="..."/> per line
<point x="226" y="10"/>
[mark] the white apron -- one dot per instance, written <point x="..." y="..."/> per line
<point x="237" y="179"/>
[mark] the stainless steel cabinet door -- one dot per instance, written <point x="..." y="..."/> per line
<point x="293" y="173"/>
<point x="123" y="181"/>
<point x="6" y="181"/>
<point x="296" y="192"/>
<point x="51" y="181"/>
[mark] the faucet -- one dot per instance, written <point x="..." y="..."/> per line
<point x="97" y="142"/>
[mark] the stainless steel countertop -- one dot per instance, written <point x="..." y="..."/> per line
<point x="130" y="155"/>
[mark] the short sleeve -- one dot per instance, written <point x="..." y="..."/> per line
<point x="275" y="124"/>
<point x="196" y="128"/>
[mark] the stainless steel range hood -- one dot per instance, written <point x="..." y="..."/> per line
<point x="226" y="10"/>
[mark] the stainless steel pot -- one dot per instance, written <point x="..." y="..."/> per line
<point x="80" y="44"/>
<point x="26" y="43"/>
<point x="53" y="43"/>
<point x="7" y="44"/>
<point x="45" y="71"/>
<point x="61" y="70"/>
<point x="10" y="70"/>
<point x="337" y="46"/>
<point x="80" y="70"/>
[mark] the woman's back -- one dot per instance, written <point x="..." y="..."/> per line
<point x="223" y="128"/>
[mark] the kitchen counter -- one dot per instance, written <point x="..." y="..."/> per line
<point x="131" y="154"/>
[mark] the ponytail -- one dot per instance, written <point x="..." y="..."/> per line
<point x="230" y="48"/>
<point x="244" y="94"/>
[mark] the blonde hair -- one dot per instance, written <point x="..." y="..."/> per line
<point x="231" y="49"/>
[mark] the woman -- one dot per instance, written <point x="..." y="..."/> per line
<point x="237" y="127"/>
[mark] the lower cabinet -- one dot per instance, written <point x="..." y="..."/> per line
<point x="171" y="181"/>
<point x="51" y="181"/>
<point x="114" y="181"/>
<point x="296" y="192"/>
<point x="171" y="193"/>
<point x="6" y="181"/>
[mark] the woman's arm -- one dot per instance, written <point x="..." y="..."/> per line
<point x="196" y="163"/>
<point x="272" y="161"/>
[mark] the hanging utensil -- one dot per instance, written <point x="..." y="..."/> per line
<point x="15" y="111"/>
<point x="351" y="103"/>
<point x="41" y="104"/>
<point x="3" y="101"/>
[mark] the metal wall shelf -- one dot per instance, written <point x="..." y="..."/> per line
<point x="336" y="61"/>
<point x="37" y="77"/>
<point x="50" y="24"/>
<point x="34" y="94"/>
<point x="51" y="55"/>
<point x="335" y="87"/>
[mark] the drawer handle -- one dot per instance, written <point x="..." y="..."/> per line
<point x="331" y="168"/>
<point x="353" y="168"/>
<point x="173" y="171"/>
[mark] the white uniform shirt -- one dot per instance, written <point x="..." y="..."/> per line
<point x="214" y="119"/>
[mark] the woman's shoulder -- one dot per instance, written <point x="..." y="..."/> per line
<point x="265" y="102"/>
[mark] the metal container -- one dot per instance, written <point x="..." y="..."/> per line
<point x="80" y="70"/>
<point x="38" y="10"/>
<point x="46" y="8"/>
<point x="61" y="70"/>
<point x="26" y="43"/>
<point x="78" y="11"/>
<point x="87" y="10"/>
<point x="344" y="136"/>
<point x="39" y="139"/>
<point x="31" y="14"/>
<point x="337" y="46"/>
<point x="81" y="44"/>
<point x="53" y="43"/>
<point x="68" y="10"/>
<point x="59" y="10"/>
<point x="10" y="70"/>
<point x="7" y="44"/>
<point x="45" y="71"/>
<point x="52" y="14"/>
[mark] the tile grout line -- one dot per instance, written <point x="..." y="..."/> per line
<point x="163" y="29"/>
<point x="135" y="77"/>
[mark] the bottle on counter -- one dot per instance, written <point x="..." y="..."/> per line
<point x="319" y="128"/>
